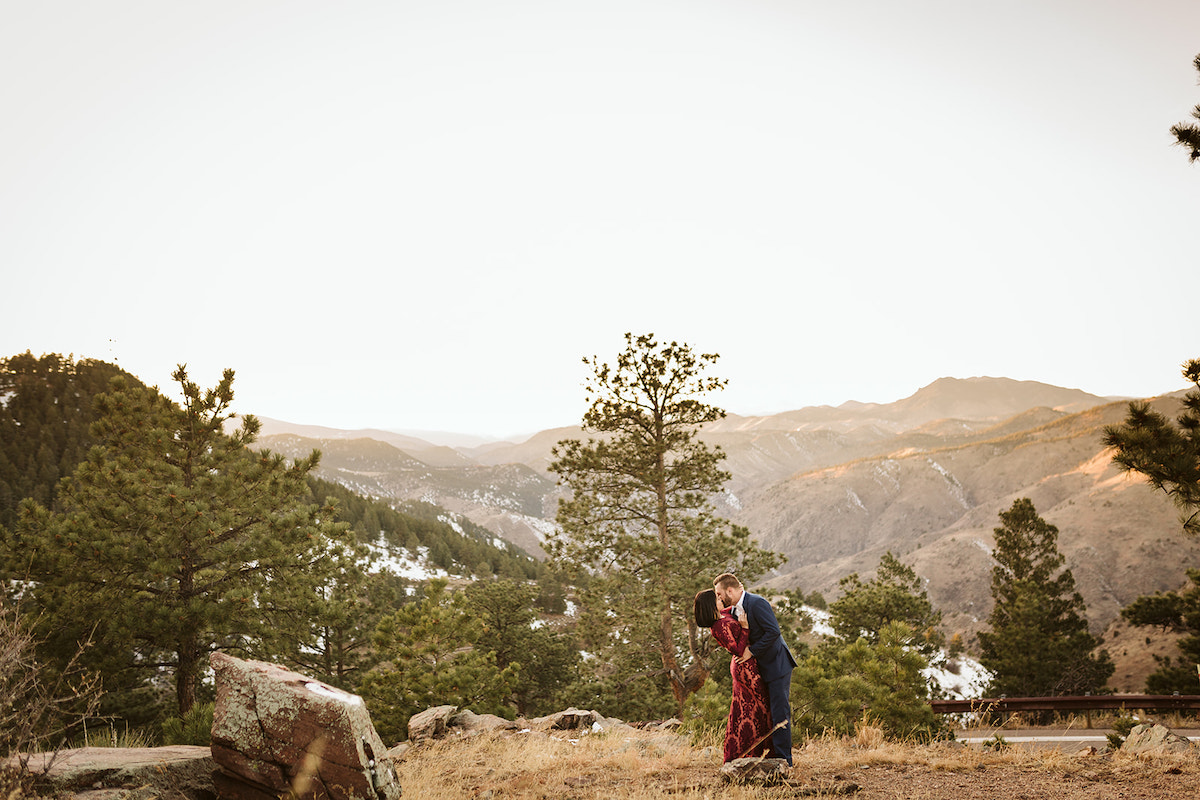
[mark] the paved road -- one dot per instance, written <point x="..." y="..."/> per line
<point x="1069" y="740"/>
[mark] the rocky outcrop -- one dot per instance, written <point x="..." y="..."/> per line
<point x="179" y="771"/>
<point x="441" y="721"/>
<point x="574" y="719"/>
<point x="278" y="732"/>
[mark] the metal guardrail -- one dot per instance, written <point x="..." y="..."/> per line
<point x="1091" y="702"/>
<point x="1085" y="703"/>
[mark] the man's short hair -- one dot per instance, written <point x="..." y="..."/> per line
<point x="727" y="580"/>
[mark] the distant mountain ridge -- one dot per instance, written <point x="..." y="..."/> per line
<point x="832" y="489"/>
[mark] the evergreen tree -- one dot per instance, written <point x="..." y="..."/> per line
<point x="1178" y="612"/>
<point x="639" y="522"/>
<point x="174" y="539"/>
<point x="895" y="594"/>
<point x="342" y="614"/>
<point x="547" y="659"/>
<point x="1168" y="455"/>
<point x="431" y="656"/>
<point x="1187" y="134"/>
<point x="1039" y="643"/>
<point x="882" y="683"/>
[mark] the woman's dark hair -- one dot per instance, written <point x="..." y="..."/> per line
<point x="705" y="608"/>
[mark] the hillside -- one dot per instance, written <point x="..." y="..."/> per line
<point x="936" y="507"/>
<point x="510" y="499"/>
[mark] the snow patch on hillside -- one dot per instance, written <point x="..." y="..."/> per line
<point x="820" y="619"/>
<point x="886" y="474"/>
<point x="956" y="489"/>
<point x="453" y="523"/>
<point x="958" y="678"/>
<point x="384" y="557"/>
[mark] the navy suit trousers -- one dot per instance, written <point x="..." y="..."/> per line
<point x="778" y="693"/>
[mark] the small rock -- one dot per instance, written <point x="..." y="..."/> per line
<point x="469" y="722"/>
<point x="755" y="770"/>
<point x="430" y="724"/>
<point x="1154" y="738"/>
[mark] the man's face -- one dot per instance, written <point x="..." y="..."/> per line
<point x="727" y="595"/>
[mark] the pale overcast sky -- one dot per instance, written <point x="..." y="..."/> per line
<point x="421" y="215"/>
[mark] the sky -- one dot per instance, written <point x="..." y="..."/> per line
<point x="423" y="215"/>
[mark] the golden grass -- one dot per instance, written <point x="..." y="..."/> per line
<point x="654" y="766"/>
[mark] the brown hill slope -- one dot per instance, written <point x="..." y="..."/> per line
<point x="936" y="508"/>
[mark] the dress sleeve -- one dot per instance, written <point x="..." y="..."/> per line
<point x="730" y="635"/>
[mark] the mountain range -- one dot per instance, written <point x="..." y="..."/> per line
<point x="834" y="488"/>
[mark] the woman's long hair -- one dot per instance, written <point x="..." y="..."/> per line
<point x="705" y="608"/>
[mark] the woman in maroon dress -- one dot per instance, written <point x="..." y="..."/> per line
<point x="749" y="712"/>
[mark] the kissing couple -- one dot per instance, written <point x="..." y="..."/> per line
<point x="760" y="713"/>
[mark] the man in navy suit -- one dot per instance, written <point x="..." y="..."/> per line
<point x="775" y="660"/>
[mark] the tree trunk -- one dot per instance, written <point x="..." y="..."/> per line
<point x="187" y="674"/>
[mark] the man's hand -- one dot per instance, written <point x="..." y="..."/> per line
<point x="746" y="655"/>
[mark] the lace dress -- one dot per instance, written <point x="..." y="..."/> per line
<point x="749" y="712"/>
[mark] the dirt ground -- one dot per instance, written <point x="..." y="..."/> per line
<point x="584" y="771"/>
<point x="1099" y="779"/>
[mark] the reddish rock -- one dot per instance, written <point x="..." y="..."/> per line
<point x="276" y="731"/>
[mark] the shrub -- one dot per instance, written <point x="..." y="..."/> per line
<point x="39" y="707"/>
<point x="706" y="713"/>
<point x="194" y="727"/>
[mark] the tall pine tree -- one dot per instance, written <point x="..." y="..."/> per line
<point x="639" y="523"/>
<point x="174" y="538"/>
<point x="1039" y="644"/>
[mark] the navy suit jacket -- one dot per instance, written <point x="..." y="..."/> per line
<point x="774" y="658"/>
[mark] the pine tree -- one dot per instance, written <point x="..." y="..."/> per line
<point x="1168" y="455"/>
<point x="1039" y="643"/>
<point x="895" y="594"/>
<point x="844" y="683"/>
<point x="431" y="657"/>
<point x="174" y="539"/>
<point x="546" y="658"/>
<point x="639" y="522"/>
<point x="1187" y="134"/>
<point x="1178" y="612"/>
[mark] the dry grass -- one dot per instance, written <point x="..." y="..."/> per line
<point x="648" y="766"/>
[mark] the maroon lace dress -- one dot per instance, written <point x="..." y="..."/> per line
<point x="749" y="713"/>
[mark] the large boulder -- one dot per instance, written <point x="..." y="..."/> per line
<point x="278" y="732"/>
